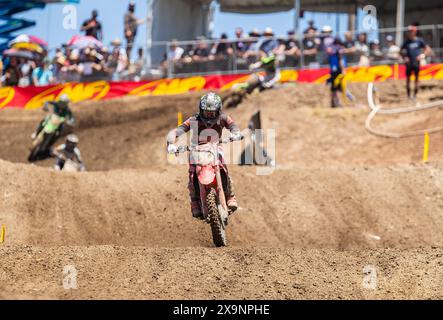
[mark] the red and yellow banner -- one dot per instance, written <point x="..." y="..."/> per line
<point x="34" y="97"/>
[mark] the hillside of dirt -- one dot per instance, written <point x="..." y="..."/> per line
<point x="338" y="200"/>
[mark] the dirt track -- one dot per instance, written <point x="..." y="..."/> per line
<point x="335" y="188"/>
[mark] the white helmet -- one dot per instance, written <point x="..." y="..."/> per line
<point x="72" y="138"/>
<point x="326" y="29"/>
<point x="64" y="98"/>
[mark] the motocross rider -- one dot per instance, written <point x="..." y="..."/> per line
<point x="209" y="116"/>
<point x="272" y="75"/>
<point x="68" y="151"/>
<point x="61" y="109"/>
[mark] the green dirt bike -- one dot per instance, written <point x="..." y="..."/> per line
<point x="45" y="139"/>
<point x="256" y="82"/>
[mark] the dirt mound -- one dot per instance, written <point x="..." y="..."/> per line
<point x="106" y="272"/>
<point x="130" y="132"/>
<point x="309" y="208"/>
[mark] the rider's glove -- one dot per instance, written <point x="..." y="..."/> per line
<point x="172" y="148"/>
<point x="236" y="136"/>
<point x="71" y="122"/>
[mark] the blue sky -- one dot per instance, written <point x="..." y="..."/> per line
<point x="49" y="21"/>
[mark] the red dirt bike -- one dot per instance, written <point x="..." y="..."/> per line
<point x="209" y="171"/>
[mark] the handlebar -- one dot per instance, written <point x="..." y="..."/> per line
<point x="182" y="149"/>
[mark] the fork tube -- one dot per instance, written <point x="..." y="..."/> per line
<point x="221" y="192"/>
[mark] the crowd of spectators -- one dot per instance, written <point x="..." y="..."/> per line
<point x="99" y="62"/>
<point x="236" y="54"/>
<point x="70" y="63"/>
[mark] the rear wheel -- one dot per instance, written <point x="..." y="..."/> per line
<point x="217" y="227"/>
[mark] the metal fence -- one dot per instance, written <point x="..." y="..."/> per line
<point x="185" y="58"/>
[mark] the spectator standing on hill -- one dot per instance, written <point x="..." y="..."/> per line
<point x="131" y="24"/>
<point x="92" y="27"/>
<point x="413" y="50"/>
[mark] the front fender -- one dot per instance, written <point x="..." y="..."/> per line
<point x="206" y="175"/>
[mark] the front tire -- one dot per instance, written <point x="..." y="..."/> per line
<point x="217" y="227"/>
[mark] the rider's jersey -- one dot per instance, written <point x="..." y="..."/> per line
<point x="73" y="155"/>
<point x="203" y="133"/>
<point x="60" y="111"/>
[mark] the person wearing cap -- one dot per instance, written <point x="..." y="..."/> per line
<point x="251" y="43"/>
<point x="269" y="44"/>
<point x="393" y="51"/>
<point x="131" y="24"/>
<point x="413" y="51"/>
<point x="92" y="27"/>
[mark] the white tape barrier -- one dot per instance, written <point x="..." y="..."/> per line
<point x="376" y="108"/>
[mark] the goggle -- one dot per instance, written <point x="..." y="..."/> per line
<point x="209" y="114"/>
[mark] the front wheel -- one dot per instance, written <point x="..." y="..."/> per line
<point x="217" y="227"/>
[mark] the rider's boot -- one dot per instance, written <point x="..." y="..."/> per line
<point x="232" y="203"/>
<point x="196" y="209"/>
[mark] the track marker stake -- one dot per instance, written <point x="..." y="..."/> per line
<point x="426" y="148"/>
<point x="179" y="118"/>
<point x="3" y="234"/>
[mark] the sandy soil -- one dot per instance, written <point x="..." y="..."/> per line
<point x="340" y="199"/>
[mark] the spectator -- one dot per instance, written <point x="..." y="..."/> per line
<point x="393" y="51"/>
<point x="374" y="51"/>
<point x="26" y="69"/>
<point x="12" y="73"/>
<point x="222" y="49"/>
<point x="131" y="24"/>
<point x="310" y="46"/>
<point x="310" y="27"/>
<point x="291" y="45"/>
<point x="413" y="50"/>
<point x="92" y="27"/>
<point x="72" y="69"/>
<point x="175" y="52"/>
<point x="291" y="49"/>
<point x="326" y="40"/>
<point x="42" y="76"/>
<point x="201" y="52"/>
<point x="269" y="44"/>
<point x="362" y="50"/>
<point x="89" y="68"/>
<point x="349" y="50"/>
<point x="252" y="42"/>
<point x="240" y="46"/>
